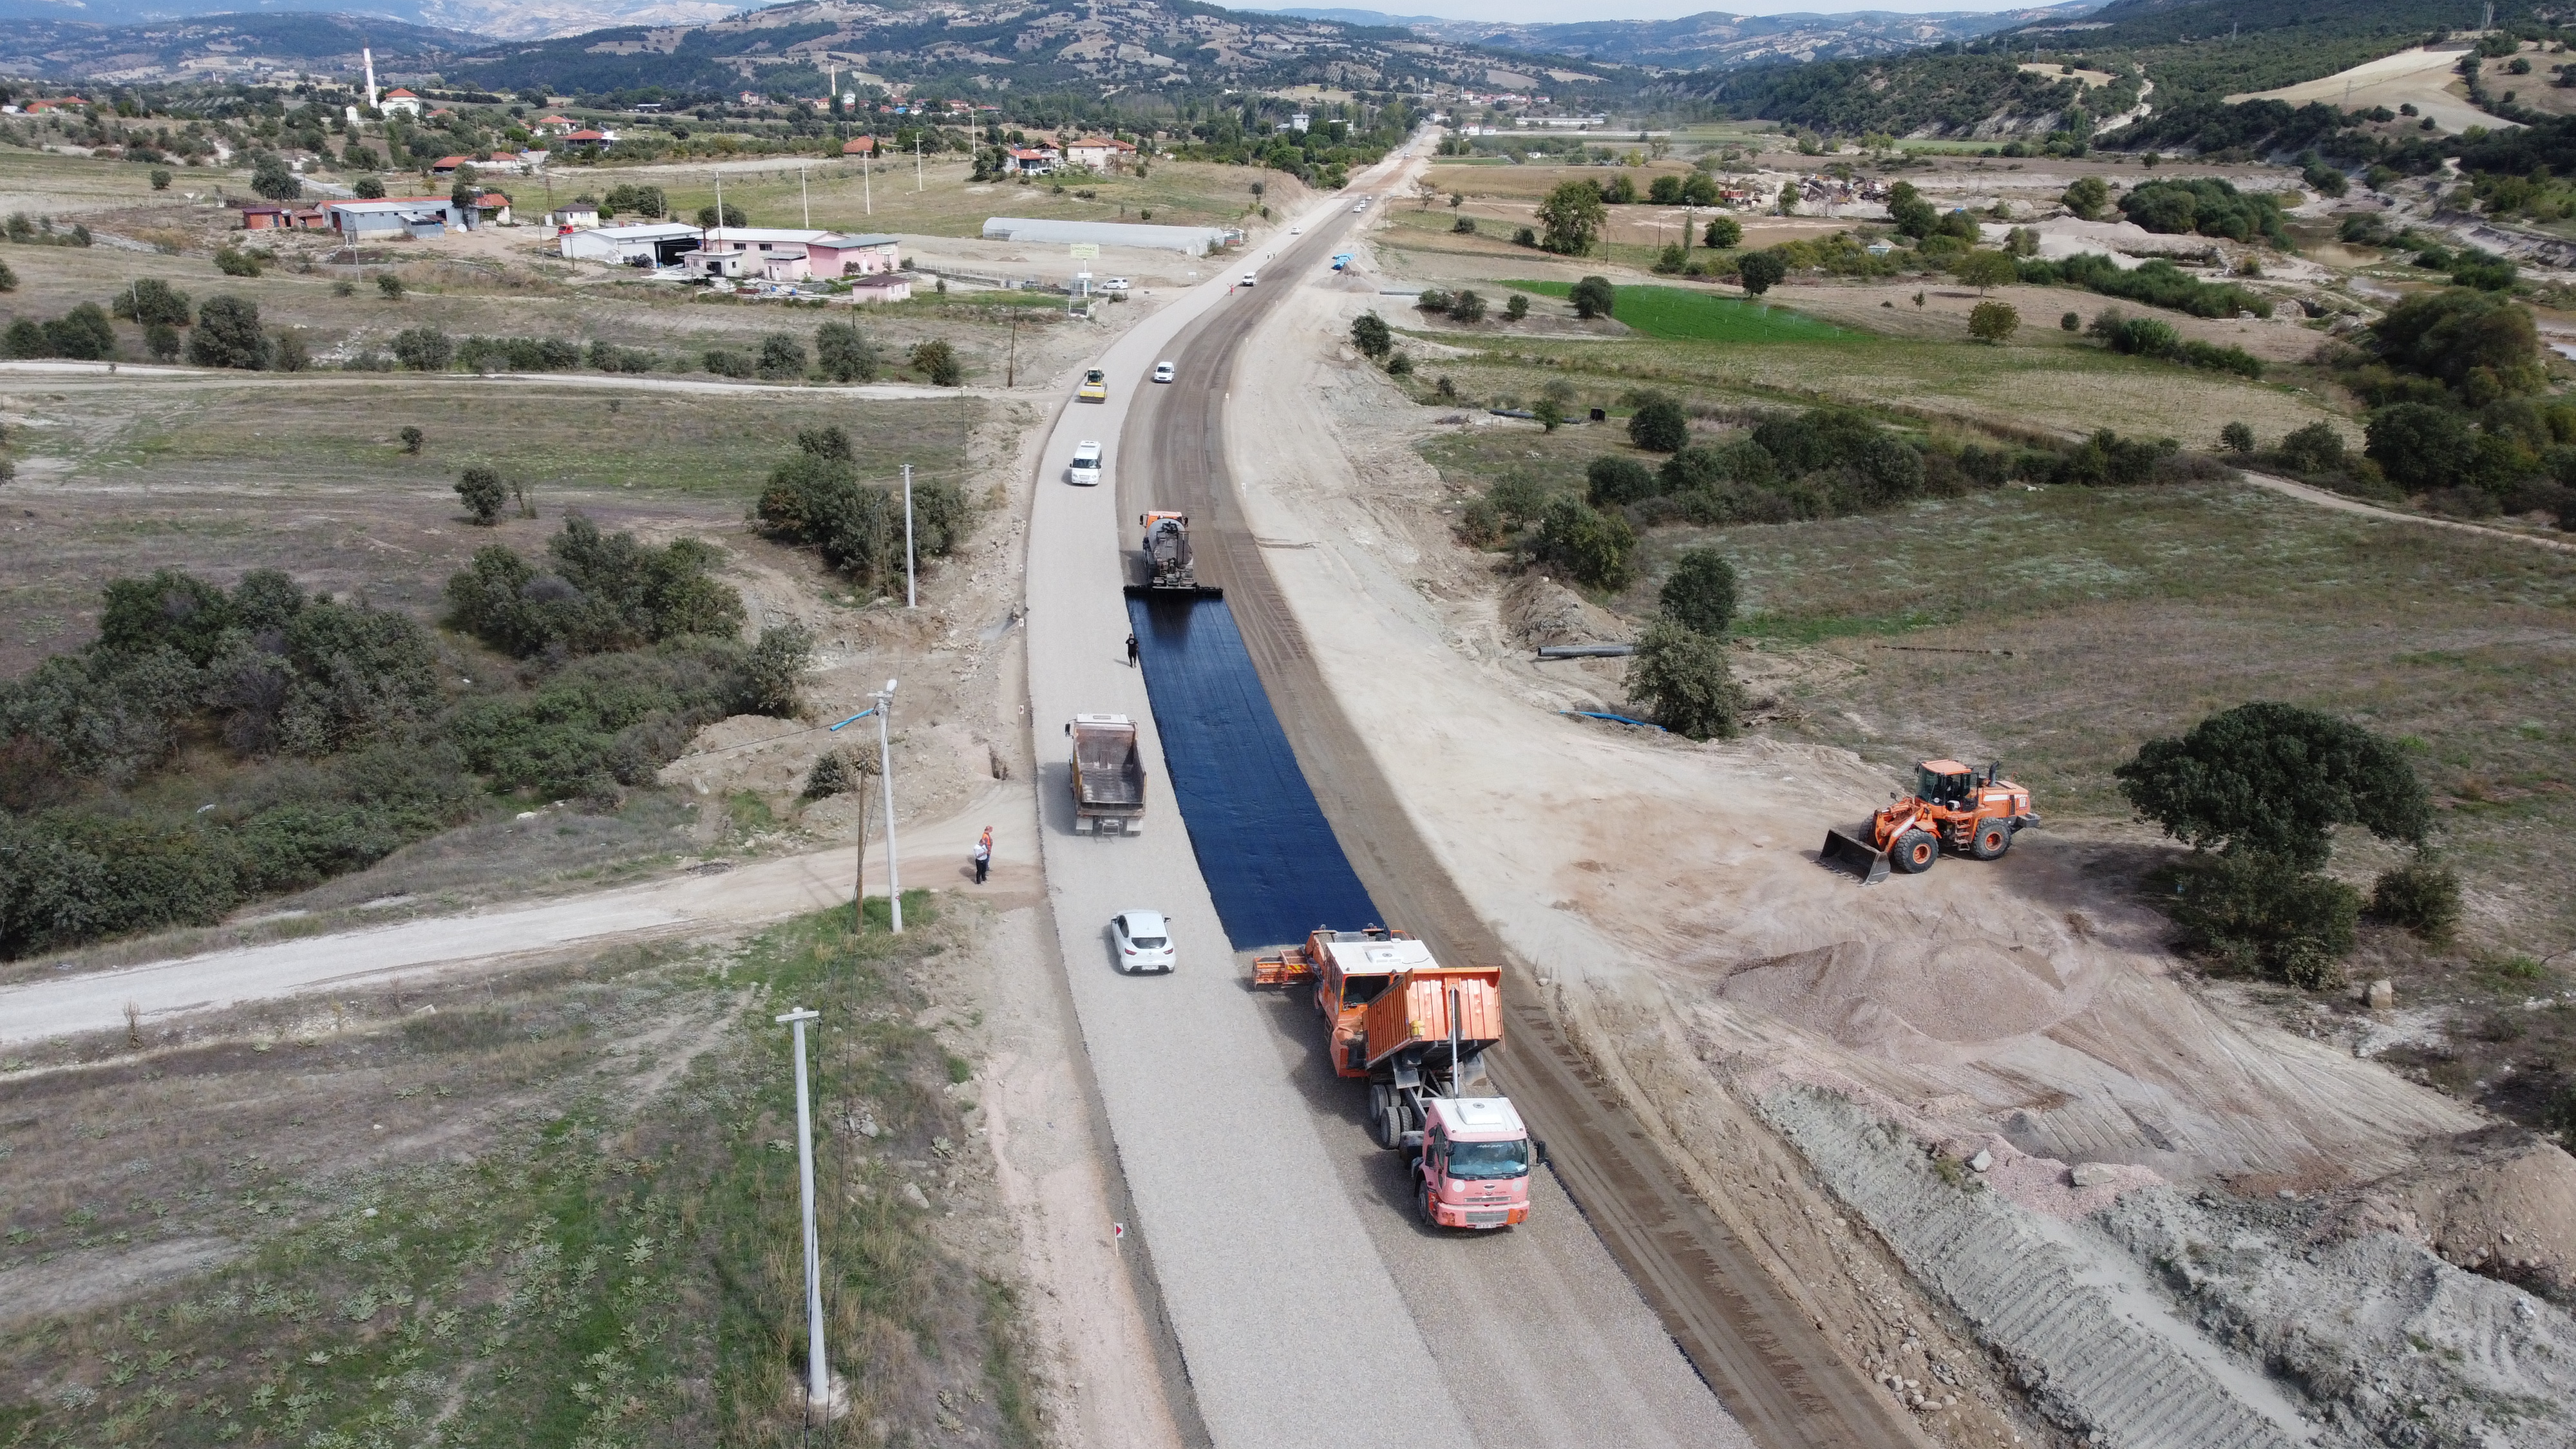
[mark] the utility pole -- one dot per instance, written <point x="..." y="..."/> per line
<point x="1011" y="369"/>
<point x="916" y="159"/>
<point x="818" y="1375"/>
<point x="867" y="174"/>
<point x="802" y="199"/>
<point x="911" y="595"/>
<point x="885" y="768"/>
<point x="859" y="867"/>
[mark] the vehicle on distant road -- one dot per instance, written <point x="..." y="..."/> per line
<point x="1165" y="372"/>
<point x="1363" y="206"/>
<point x="1144" y="941"/>
<point x="1085" y="468"/>
<point x="1095" y="387"/>
<point x="1296" y="231"/>
<point x="1247" y="279"/>
<point x="1114" y="284"/>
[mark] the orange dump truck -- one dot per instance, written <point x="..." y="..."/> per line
<point x="1418" y="1032"/>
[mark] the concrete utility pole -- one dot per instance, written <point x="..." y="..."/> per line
<point x="818" y="1374"/>
<point x="916" y="160"/>
<point x="885" y="770"/>
<point x="911" y="595"/>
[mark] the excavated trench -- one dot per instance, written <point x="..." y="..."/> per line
<point x="1270" y="859"/>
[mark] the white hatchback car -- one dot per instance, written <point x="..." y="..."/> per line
<point x="1165" y="372"/>
<point x="1114" y="284"/>
<point x="1247" y="279"/>
<point x="1085" y="468"/>
<point x="1144" y="941"/>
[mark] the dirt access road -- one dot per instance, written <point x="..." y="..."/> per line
<point x="1772" y="1367"/>
<point x="688" y="905"/>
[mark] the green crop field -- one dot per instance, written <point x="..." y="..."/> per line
<point x="1679" y="314"/>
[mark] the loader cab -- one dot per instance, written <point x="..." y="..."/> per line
<point x="1945" y="782"/>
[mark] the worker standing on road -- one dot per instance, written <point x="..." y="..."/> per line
<point x="983" y="855"/>
<point x="1131" y="651"/>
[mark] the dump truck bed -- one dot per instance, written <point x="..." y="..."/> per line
<point x="1108" y="770"/>
<point x="1414" y="1012"/>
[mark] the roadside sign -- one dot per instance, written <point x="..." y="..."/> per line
<point x="1085" y="251"/>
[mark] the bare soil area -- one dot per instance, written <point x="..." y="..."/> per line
<point x="1672" y="890"/>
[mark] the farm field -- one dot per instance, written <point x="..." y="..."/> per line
<point x="1673" y="313"/>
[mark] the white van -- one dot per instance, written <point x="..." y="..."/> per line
<point x="1085" y="471"/>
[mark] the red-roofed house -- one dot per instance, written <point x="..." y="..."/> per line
<point x="555" y="125"/>
<point x="859" y="146"/>
<point x="586" y="140"/>
<point x="264" y="217"/>
<point x="401" y="100"/>
<point x="1099" y="153"/>
<point x="1033" y="160"/>
<point x="55" y="103"/>
<point x="446" y="165"/>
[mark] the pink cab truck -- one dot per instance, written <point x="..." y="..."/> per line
<point x="1417" y="1032"/>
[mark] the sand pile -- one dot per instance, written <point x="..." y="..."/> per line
<point x="1538" y="610"/>
<point x="2500" y="1202"/>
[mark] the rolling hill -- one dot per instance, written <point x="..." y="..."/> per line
<point x="217" y="46"/>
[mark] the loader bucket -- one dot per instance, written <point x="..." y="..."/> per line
<point x="1857" y="855"/>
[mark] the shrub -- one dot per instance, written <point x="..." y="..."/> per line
<point x="1759" y="272"/>
<point x="2206" y="206"/>
<point x="818" y="500"/>
<point x="938" y="361"/>
<point x="1593" y="297"/>
<point x="2155" y="282"/>
<point x="782" y="356"/>
<point x="2070" y="322"/>
<point x="516" y="354"/>
<point x="2422" y="448"/>
<point x="1371" y="335"/>
<point x="228" y="334"/>
<point x="2420" y="896"/>
<point x="288" y="353"/>
<point x="234" y="262"/>
<point x="606" y="592"/>
<point x="2267" y="915"/>
<point x="1679" y="679"/>
<point x="845" y="354"/>
<point x="2272" y="779"/>
<point x="1993" y="322"/>
<point x="423" y="349"/>
<point x="1463" y="226"/>
<point x="2238" y="438"/>
<point x="1467" y="306"/>
<point x="389" y="286"/>
<point x="1724" y="233"/>
<point x="831" y="775"/>
<point x="161" y="178"/>
<point x="1516" y="307"/>
<point x="725" y="362"/>
<point x="84" y="333"/>
<point x="483" y="492"/>
<point x="1984" y="269"/>
<point x="152" y="300"/>
<point x="2087" y="197"/>
<point x="1612" y="482"/>
<point x="1592" y="547"/>
<point x="2316" y="448"/>
<point x="1571" y="217"/>
<point x="1699" y="594"/>
<point x="412" y="438"/>
<point x="2457" y="335"/>
<point x="1659" y="425"/>
<point x="162" y="341"/>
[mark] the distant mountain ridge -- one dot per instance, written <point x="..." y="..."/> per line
<point x="221" y="46"/>
<point x="1718" y="40"/>
<point x="507" y="19"/>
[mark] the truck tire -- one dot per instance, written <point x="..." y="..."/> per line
<point x="1422" y="1203"/>
<point x="1915" y="851"/>
<point x="1992" y="839"/>
<point x="1386" y="1118"/>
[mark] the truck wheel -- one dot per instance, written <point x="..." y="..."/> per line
<point x="1386" y="1117"/>
<point x="1915" y="851"/>
<point x="1992" y="839"/>
<point x="1422" y="1203"/>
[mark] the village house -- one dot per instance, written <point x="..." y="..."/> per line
<point x="421" y="218"/>
<point x="782" y="254"/>
<point x="648" y="244"/>
<point x="1032" y="160"/>
<point x="1099" y="153"/>
<point x="579" y="216"/>
<point x="400" y="100"/>
<point x="859" y="146"/>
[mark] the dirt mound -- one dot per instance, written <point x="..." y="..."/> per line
<point x="1538" y="610"/>
<point x="1905" y="999"/>
<point x="2501" y="1203"/>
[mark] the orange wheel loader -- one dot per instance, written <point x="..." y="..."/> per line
<point x="1952" y="807"/>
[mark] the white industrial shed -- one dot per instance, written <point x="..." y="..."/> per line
<point x="1190" y="240"/>
<point x="652" y="244"/>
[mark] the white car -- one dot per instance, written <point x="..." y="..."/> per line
<point x="1114" y="284"/>
<point x="1296" y="231"/>
<point x="1247" y="279"/>
<point x="1085" y="470"/>
<point x="1165" y="372"/>
<point x="1144" y="941"/>
<point x="1363" y="205"/>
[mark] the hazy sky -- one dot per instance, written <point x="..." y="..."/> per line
<point x="1541" y="12"/>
